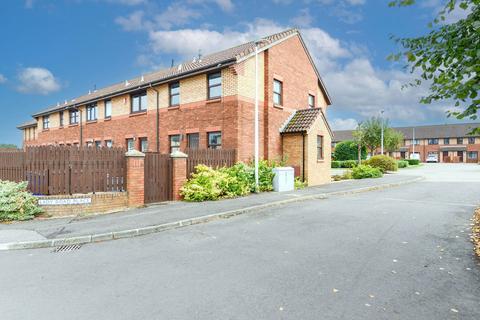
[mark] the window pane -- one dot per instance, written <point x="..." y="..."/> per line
<point x="277" y="98"/>
<point x="108" y="143"/>
<point x="108" y="108"/>
<point x="214" y="79"/>
<point x="277" y="86"/>
<point x="130" y="144"/>
<point x="215" y="92"/>
<point x="311" y="101"/>
<point x="143" y="102"/>
<point x="174" y="100"/>
<point x="215" y="140"/>
<point x="193" y="140"/>
<point x="175" y="88"/>
<point x="136" y="104"/>
<point x="143" y="144"/>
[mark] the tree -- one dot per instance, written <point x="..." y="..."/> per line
<point x="7" y="146"/>
<point x="369" y="135"/>
<point x="448" y="57"/>
<point x="348" y="150"/>
<point x="393" y="139"/>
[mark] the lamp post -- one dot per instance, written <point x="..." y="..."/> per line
<point x="256" y="117"/>
<point x="381" y="136"/>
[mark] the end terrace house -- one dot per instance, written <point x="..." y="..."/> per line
<point x="207" y="102"/>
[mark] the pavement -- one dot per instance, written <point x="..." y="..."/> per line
<point x="54" y="232"/>
<point x="395" y="253"/>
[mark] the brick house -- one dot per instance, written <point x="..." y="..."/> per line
<point x="204" y="103"/>
<point x="450" y="142"/>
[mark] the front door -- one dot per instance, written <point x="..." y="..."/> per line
<point x="445" y="156"/>
<point x="460" y="156"/>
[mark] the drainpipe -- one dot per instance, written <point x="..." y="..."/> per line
<point x="158" y="120"/>
<point x="303" y="157"/>
<point x="81" y="126"/>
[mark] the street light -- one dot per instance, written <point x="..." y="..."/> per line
<point x="381" y="137"/>
<point x="256" y="117"/>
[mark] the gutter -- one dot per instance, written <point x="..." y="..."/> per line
<point x="180" y="76"/>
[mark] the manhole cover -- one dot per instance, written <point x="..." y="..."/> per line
<point x="67" y="248"/>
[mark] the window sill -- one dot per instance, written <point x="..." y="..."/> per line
<point x="46" y="129"/>
<point x="214" y="100"/>
<point x="61" y="127"/>
<point x="278" y="106"/>
<point x="73" y="125"/>
<point x="107" y="119"/>
<point x="176" y="107"/>
<point x="139" y="113"/>
<point x="91" y="121"/>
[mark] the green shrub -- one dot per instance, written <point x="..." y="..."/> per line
<point x="16" y="203"/>
<point x="299" y="184"/>
<point x="402" y="163"/>
<point x="349" y="164"/>
<point x="366" y="171"/>
<point x="413" y="162"/>
<point x="336" y="164"/>
<point x="348" y="150"/>
<point x="382" y="162"/>
<point x="238" y="180"/>
<point x="347" y="175"/>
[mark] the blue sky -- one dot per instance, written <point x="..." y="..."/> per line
<point x="57" y="50"/>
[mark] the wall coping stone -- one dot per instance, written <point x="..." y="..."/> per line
<point x="178" y="154"/>
<point x="135" y="153"/>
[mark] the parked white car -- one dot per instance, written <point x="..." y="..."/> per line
<point x="432" y="157"/>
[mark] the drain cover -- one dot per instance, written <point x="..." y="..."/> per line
<point x="67" y="248"/>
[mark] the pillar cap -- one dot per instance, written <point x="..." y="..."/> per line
<point x="178" y="154"/>
<point x="134" y="153"/>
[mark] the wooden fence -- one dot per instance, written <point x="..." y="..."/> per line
<point x="214" y="158"/>
<point x="55" y="170"/>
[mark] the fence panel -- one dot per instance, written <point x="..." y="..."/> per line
<point x="158" y="177"/>
<point x="53" y="170"/>
<point x="214" y="158"/>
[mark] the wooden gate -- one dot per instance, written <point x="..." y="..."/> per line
<point x="158" y="177"/>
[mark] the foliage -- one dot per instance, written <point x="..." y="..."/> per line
<point x="413" y="162"/>
<point x="347" y="175"/>
<point x="402" y="163"/>
<point x="299" y="184"/>
<point x="7" y="146"/>
<point x="448" y="58"/>
<point x="369" y="135"/>
<point x="239" y="180"/>
<point x="364" y="171"/>
<point x="16" y="203"/>
<point x="344" y="164"/>
<point x="348" y="150"/>
<point x="382" y="162"/>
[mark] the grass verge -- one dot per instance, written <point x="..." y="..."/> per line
<point x="476" y="231"/>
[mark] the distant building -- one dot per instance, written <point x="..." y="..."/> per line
<point x="450" y="142"/>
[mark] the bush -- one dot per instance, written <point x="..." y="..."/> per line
<point x="348" y="150"/>
<point x="16" y="203"/>
<point x="382" y="162"/>
<point x="299" y="184"/>
<point x="336" y="164"/>
<point x="365" y="171"/>
<point x="413" y="162"/>
<point x="349" y="164"/>
<point x="238" y="180"/>
<point x="347" y="175"/>
<point x="402" y="163"/>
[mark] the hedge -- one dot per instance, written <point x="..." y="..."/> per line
<point x="402" y="163"/>
<point x="382" y="162"/>
<point x="413" y="162"/>
<point x="344" y="164"/>
<point x="365" y="171"/>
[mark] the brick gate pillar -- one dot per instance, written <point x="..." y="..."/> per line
<point x="135" y="178"/>
<point x="179" y="172"/>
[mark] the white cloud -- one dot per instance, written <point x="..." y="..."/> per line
<point x="355" y="2"/>
<point x="282" y="1"/>
<point x="303" y="19"/>
<point x="175" y="15"/>
<point x="37" y="81"/>
<point x="343" y="124"/>
<point x="128" y="2"/>
<point x="3" y="79"/>
<point x="133" y="22"/>
<point x="226" y="5"/>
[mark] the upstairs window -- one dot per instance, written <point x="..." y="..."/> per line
<point x="459" y="140"/>
<point x="214" y="85"/>
<point x="471" y="140"/>
<point x="311" y="101"/>
<point x="108" y="109"/>
<point x="74" y="116"/>
<point x="415" y="141"/>
<point x="61" y="118"/>
<point x="174" y="91"/>
<point x="277" y="92"/>
<point x="433" y="141"/>
<point x="446" y="141"/>
<point x="215" y="140"/>
<point x="319" y="147"/>
<point x="139" y="102"/>
<point x="92" y="112"/>
<point x="174" y="143"/>
<point x="46" y="122"/>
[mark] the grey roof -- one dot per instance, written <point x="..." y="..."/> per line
<point x="208" y="62"/>
<point x="458" y="130"/>
<point x="27" y="124"/>
<point x="453" y="148"/>
<point x="301" y="120"/>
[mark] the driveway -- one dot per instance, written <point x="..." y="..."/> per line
<point x="400" y="253"/>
